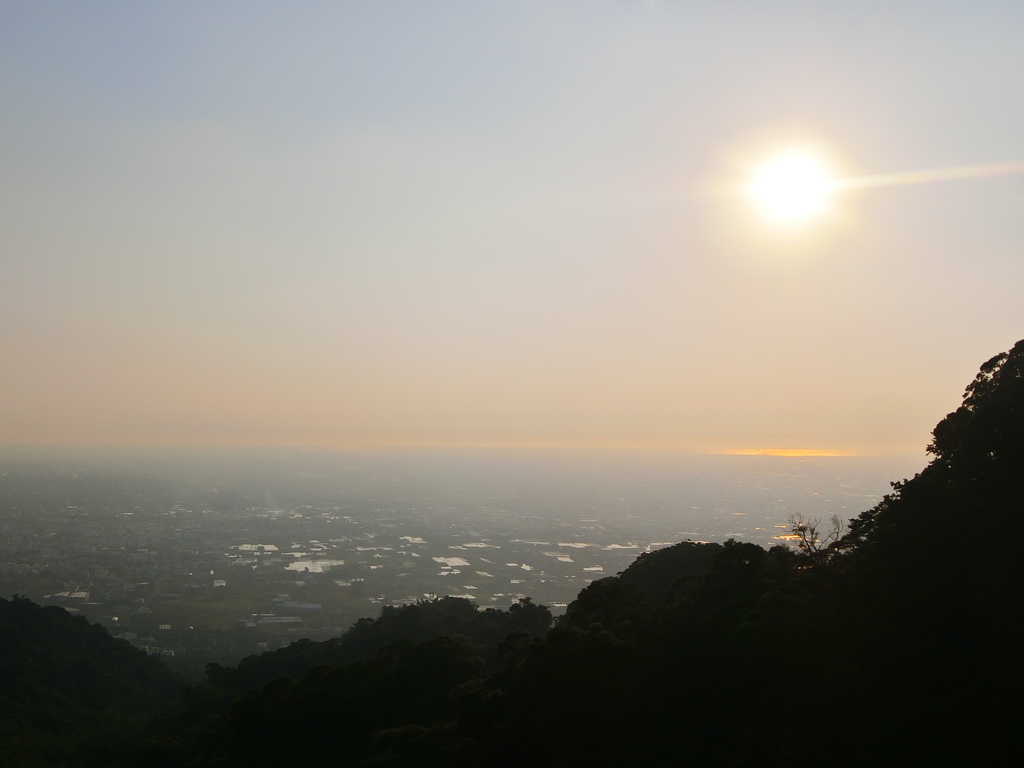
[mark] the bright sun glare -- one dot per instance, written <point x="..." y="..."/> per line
<point x="791" y="188"/>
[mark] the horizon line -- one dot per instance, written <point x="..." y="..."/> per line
<point x="624" y="446"/>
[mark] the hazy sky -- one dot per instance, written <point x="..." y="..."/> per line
<point x="499" y="222"/>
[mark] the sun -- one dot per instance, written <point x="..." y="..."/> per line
<point x="791" y="188"/>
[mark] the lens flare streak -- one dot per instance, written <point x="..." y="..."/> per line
<point x="924" y="177"/>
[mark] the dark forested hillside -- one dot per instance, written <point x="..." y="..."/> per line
<point x="897" y="644"/>
<point x="69" y="691"/>
<point x="935" y="580"/>
<point x="450" y="617"/>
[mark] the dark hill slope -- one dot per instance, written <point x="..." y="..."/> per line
<point x="936" y="579"/>
<point x="621" y="603"/>
<point x="654" y="574"/>
<point x="451" y="617"/>
<point x="293" y="690"/>
<point x="65" y="683"/>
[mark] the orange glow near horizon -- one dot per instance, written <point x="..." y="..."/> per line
<point x="329" y="441"/>
<point x="790" y="452"/>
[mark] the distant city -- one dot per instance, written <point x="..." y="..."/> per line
<point x="210" y="555"/>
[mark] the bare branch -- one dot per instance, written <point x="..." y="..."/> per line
<point x="810" y="540"/>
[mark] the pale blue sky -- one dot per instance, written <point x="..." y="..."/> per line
<point x="494" y="223"/>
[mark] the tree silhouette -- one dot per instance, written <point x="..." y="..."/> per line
<point x="811" y="541"/>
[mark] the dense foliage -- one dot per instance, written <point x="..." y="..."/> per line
<point x="68" y="691"/>
<point x="898" y="644"/>
<point x="450" y="617"/>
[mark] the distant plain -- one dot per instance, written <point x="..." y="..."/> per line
<point x="216" y="537"/>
